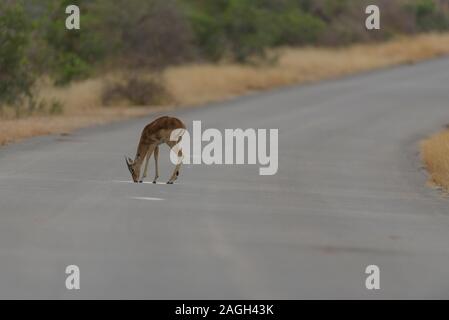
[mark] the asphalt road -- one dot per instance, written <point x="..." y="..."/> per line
<point x="350" y="192"/>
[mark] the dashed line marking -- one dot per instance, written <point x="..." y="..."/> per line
<point x="144" y="182"/>
<point x="147" y="198"/>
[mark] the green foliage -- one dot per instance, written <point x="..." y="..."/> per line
<point x="210" y="37"/>
<point x="68" y="67"/>
<point x="155" y="34"/>
<point x="298" y="28"/>
<point x="428" y="16"/>
<point x="16" y="78"/>
<point x="243" y="28"/>
<point x="333" y="8"/>
<point x="249" y="28"/>
<point x="74" y="51"/>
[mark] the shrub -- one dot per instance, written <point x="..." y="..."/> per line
<point x="243" y="29"/>
<point x="144" y="34"/>
<point x="428" y="16"/>
<point x="70" y="67"/>
<point x="137" y="91"/>
<point x="299" y="28"/>
<point x="73" y="52"/>
<point x="250" y="29"/>
<point x="16" y="77"/>
<point x="210" y="38"/>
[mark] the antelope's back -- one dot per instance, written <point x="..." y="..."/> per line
<point x="160" y="129"/>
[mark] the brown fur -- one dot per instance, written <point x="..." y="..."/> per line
<point x="154" y="134"/>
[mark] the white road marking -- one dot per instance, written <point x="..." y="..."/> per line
<point x="145" y="182"/>
<point x="125" y="181"/>
<point x="147" y="198"/>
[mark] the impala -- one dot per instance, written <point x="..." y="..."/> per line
<point x="154" y="134"/>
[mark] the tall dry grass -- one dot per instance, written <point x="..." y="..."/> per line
<point x="197" y="84"/>
<point x="12" y="130"/>
<point x="201" y="83"/>
<point x="435" y="154"/>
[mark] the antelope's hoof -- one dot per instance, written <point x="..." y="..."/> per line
<point x="169" y="182"/>
<point x="154" y="181"/>
<point x="140" y="181"/>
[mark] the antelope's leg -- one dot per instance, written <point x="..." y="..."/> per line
<point x="156" y="157"/>
<point x="149" y="152"/>
<point x="175" y="173"/>
<point x="146" y="167"/>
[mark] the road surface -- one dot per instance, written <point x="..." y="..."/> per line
<point x="350" y="192"/>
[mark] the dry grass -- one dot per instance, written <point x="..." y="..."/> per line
<point x="197" y="84"/>
<point x="16" y="129"/>
<point x="202" y="83"/>
<point x="77" y="98"/>
<point x="435" y="154"/>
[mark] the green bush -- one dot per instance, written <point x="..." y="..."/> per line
<point x="69" y="67"/>
<point x="142" y="34"/>
<point x="428" y="17"/>
<point x="210" y="38"/>
<point x="16" y="77"/>
<point x="74" y="52"/>
<point x="299" y="28"/>
<point x="137" y="91"/>
<point x="244" y="28"/>
<point x="250" y="28"/>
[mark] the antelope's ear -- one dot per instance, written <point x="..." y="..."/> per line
<point x="130" y="161"/>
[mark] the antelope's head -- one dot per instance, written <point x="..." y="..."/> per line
<point x="135" y="173"/>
